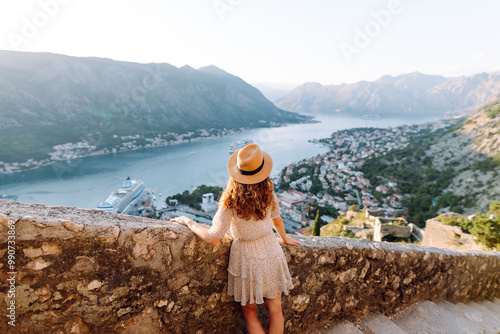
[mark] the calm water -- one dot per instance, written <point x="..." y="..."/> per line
<point x="170" y="170"/>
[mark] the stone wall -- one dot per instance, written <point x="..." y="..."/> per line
<point x="438" y="234"/>
<point x="87" y="271"/>
<point x="382" y="229"/>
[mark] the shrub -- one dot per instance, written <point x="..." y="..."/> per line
<point x="494" y="112"/>
<point x="398" y="222"/>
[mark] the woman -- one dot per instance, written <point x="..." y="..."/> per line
<point x="248" y="209"/>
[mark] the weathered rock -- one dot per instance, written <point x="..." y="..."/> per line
<point x="110" y="234"/>
<point x="43" y="294"/>
<point x="439" y="234"/>
<point x="123" y="311"/>
<point x="38" y="264"/>
<point x="46" y="249"/>
<point x="143" y="246"/>
<point x="147" y="322"/>
<point x="347" y="276"/>
<point x="95" y="284"/>
<point x="72" y="226"/>
<point x="76" y="326"/>
<point x="300" y="303"/>
<point x="32" y="252"/>
<point x="85" y="265"/>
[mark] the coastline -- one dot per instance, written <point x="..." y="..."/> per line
<point x="33" y="165"/>
<point x="124" y="149"/>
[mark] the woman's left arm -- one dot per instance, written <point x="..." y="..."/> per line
<point x="197" y="229"/>
<point x="279" y="225"/>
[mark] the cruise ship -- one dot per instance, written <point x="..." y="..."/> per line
<point x="120" y="200"/>
<point x="239" y="144"/>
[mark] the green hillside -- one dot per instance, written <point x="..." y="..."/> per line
<point x="48" y="99"/>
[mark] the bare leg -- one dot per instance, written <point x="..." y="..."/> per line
<point x="253" y="324"/>
<point x="276" y="320"/>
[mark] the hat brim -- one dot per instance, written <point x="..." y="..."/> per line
<point x="234" y="171"/>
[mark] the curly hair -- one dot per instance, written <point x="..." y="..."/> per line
<point x="249" y="200"/>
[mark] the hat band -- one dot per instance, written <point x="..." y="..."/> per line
<point x="252" y="172"/>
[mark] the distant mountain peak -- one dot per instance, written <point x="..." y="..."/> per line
<point x="311" y="84"/>
<point x="212" y="69"/>
<point x="187" y="67"/>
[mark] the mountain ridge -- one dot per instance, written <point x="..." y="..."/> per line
<point x="405" y="94"/>
<point x="48" y="99"/>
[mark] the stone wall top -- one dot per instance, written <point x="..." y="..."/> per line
<point x="68" y="222"/>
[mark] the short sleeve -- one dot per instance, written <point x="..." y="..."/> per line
<point x="275" y="208"/>
<point x="221" y="223"/>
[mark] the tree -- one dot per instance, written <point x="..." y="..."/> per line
<point x="487" y="231"/>
<point x="316" y="226"/>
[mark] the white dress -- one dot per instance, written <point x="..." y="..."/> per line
<point x="257" y="265"/>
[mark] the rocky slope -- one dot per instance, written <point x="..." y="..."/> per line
<point x="473" y="150"/>
<point x="408" y="94"/>
<point x="48" y="99"/>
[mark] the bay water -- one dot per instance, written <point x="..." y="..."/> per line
<point x="172" y="169"/>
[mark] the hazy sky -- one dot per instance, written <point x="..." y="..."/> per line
<point x="276" y="41"/>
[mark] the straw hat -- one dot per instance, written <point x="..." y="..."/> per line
<point x="250" y="165"/>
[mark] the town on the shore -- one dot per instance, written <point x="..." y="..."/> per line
<point x="84" y="148"/>
<point x="333" y="180"/>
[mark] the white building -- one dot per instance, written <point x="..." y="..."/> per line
<point x="208" y="203"/>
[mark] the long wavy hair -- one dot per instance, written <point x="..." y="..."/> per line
<point x="249" y="200"/>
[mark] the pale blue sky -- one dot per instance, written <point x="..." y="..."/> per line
<point x="274" y="41"/>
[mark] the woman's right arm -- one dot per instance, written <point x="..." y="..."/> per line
<point x="279" y="225"/>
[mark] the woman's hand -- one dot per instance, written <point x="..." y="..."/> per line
<point x="183" y="220"/>
<point x="200" y="230"/>
<point x="291" y="241"/>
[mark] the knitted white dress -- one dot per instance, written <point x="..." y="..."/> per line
<point x="257" y="265"/>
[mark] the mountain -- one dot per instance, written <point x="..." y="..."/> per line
<point x="451" y="168"/>
<point x="49" y="99"/>
<point x="473" y="151"/>
<point x="412" y="94"/>
<point x="274" y="92"/>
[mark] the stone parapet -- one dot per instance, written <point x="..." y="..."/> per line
<point x="88" y="271"/>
